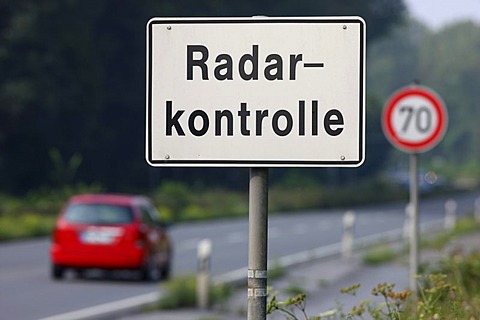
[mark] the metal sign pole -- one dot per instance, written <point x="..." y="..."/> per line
<point x="257" y="244"/>
<point x="414" y="223"/>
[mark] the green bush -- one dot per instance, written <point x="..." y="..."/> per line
<point x="25" y="226"/>
<point x="463" y="270"/>
<point x="9" y="229"/>
<point x="446" y="291"/>
<point x="276" y="271"/>
<point x="297" y="197"/>
<point x="179" y="202"/>
<point x="35" y="214"/>
<point x="379" y="254"/>
<point x="181" y="293"/>
<point x="464" y="225"/>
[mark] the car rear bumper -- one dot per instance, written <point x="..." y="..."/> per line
<point x="102" y="258"/>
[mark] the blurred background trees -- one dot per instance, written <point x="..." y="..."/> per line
<point x="72" y="88"/>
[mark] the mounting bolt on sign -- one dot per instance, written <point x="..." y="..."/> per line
<point x="415" y="119"/>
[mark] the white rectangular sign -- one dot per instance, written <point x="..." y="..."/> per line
<point x="271" y="92"/>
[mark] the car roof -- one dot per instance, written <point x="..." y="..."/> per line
<point x="115" y="199"/>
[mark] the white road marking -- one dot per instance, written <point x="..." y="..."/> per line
<point x="106" y="308"/>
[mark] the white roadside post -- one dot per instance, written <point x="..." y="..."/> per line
<point x="407" y="222"/>
<point x="477" y="210"/>
<point x="348" y="233"/>
<point x="450" y="214"/>
<point x="204" y="252"/>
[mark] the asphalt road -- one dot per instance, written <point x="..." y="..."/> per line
<point x="27" y="292"/>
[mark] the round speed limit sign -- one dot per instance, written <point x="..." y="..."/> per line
<point x="414" y="119"/>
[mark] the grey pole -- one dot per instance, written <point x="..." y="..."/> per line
<point x="257" y="244"/>
<point x="414" y="228"/>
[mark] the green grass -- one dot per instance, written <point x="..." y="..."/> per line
<point x="276" y="271"/>
<point x="384" y="253"/>
<point x="34" y="214"/>
<point x="180" y="292"/>
<point x="26" y="225"/>
<point x="446" y="291"/>
<point x="379" y="254"/>
<point x="465" y="225"/>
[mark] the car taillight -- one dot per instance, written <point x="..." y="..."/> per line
<point x="141" y="239"/>
<point x="55" y="235"/>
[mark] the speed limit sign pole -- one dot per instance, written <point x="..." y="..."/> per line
<point x="414" y="120"/>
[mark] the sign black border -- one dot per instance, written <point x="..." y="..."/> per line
<point x="253" y="163"/>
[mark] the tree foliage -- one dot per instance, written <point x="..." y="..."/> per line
<point x="72" y="84"/>
<point x="448" y="61"/>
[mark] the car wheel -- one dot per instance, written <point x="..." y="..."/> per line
<point x="81" y="273"/>
<point x="57" y="271"/>
<point x="150" y="271"/>
<point x="165" y="271"/>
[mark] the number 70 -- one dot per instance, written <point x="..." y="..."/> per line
<point x="420" y="117"/>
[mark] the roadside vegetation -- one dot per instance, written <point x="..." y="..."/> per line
<point x="465" y="225"/>
<point x="385" y="252"/>
<point x="400" y="49"/>
<point x="379" y="254"/>
<point x="34" y="214"/>
<point x="181" y="293"/>
<point x="447" y="289"/>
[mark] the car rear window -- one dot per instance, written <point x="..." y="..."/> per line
<point x="98" y="214"/>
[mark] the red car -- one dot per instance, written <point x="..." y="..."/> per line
<point x="108" y="231"/>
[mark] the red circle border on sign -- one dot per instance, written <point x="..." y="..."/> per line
<point x="432" y="140"/>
